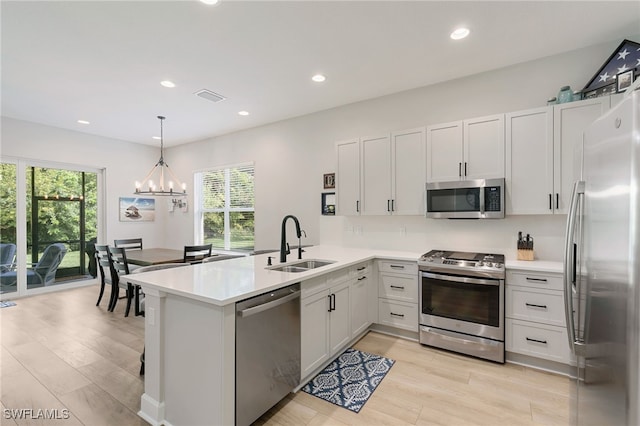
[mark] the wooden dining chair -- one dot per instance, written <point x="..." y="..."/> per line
<point x="196" y="254"/>
<point x="103" y="263"/>
<point x="129" y="243"/>
<point x="137" y="291"/>
<point x="120" y="268"/>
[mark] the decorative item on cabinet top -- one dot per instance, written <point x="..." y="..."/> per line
<point x="624" y="58"/>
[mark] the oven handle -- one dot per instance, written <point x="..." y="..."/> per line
<point x="457" y="279"/>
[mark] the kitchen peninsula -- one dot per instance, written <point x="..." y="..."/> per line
<point x="190" y="328"/>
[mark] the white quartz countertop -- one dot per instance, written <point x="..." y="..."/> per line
<point x="228" y="281"/>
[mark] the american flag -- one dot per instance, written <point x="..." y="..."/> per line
<point x="625" y="58"/>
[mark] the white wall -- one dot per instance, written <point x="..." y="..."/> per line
<point x="122" y="162"/>
<point x="292" y="155"/>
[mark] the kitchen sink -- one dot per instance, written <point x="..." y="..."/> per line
<point x="301" y="266"/>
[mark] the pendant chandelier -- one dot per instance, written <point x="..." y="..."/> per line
<point x="149" y="187"/>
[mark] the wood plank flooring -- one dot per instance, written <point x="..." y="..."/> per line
<point x="61" y="352"/>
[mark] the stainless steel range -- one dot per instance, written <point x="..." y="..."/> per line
<point x="462" y="302"/>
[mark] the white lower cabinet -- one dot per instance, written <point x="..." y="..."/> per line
<point x="535" y="318"/>
<point x="333" y="310"/>
<point x="398" y="294"/>
<point x="314" y="328"/>
<point x="361" y="288"/>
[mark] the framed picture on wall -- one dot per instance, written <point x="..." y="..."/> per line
<point x="329" y="180"/>
<point x="624" y="80"/>
<point x="134" y="209"/>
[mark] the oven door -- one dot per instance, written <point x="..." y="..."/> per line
<point x="462" y="304"/>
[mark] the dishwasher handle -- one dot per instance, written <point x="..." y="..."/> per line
<point x="269" y="305"/>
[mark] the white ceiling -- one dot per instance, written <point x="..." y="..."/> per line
<point x="103" y="61"/>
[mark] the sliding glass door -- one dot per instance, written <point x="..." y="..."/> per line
<point x="8" y="229"/>
<point x="54" y="226"/>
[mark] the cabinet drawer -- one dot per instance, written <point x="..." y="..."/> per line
<point x="312" y="286"/>
<point x="400" y="267"/>
<point x="339" y="276"/>
<point x="538" y="340"/>
<point x="399" y="287"/>
<point x="361" y="269"/>
<point x="398" y="314"/>
<point x="535" y="279"/>
<point x="530" y="304"/>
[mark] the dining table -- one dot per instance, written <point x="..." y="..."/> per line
<point x="154" y="256"/>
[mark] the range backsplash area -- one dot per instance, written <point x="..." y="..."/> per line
<point x="419" y="234"/>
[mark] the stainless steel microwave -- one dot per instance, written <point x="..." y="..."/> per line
<point x="466" y="199"/>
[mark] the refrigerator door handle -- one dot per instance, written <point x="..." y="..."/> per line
<point x="570" y="252"/>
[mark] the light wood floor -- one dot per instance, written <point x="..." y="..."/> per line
<point x="60" y="351"/>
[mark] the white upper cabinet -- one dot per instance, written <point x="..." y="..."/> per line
<point x="444" y="152"/>
<point x="544" y="155"/>
<point x="468" y="149"/>
<point x="375" y="172"/>
<point x="408" y="172"/>
<point x="348" y="178"/>
<point x="391" y="174"/>
<point x="529" y="161"/>
<point x="570" y="120"/>
<point x="484" y="147"/>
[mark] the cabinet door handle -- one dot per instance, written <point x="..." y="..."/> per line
<point x="362" y="278"/>
<point x="388" y="205"/>
<point x="393" y="209"/>
<point x="397" y="287"/>
<point x="540" y="280"/>
<point x="358" y="206"/>
<point x="544" y="342"/>
<point x="332" y="302"/>
<point x="396" y="266"/>
<point x="362" y="268"/>
<point x="459" y="169"/>
<point x="465" y="168"/>
<point x="533" y="305"/>
<point x="557" y="201"/>
<point x="396" y="315"/>
<point x="550" y="205"/>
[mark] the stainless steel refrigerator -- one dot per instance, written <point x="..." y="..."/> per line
<point x="602" y="270"/>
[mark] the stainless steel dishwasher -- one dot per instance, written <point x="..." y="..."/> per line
<point x="267" y="351"/>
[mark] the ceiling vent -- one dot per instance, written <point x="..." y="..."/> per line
<point x="209" y="95"/>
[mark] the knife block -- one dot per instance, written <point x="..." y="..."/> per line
<point x="525" y="254"/>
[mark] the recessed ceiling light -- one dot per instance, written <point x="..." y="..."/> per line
<point x="243" y="112"/>
<point x="211" y="2"/>
<point x="156" y="137"/>
<point x="459" y="33"/>
<point x="167" y="83"/>
<point x="318" y="78"/>
<point x="83" y="122"/>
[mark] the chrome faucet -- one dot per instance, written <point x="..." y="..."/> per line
<point x="284" y="246"/>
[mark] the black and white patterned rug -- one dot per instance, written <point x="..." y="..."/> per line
<point x="350" y="379"/>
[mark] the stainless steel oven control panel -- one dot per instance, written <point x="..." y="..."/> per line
<point x="476" y="264"/>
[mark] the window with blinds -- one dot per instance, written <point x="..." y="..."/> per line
<point x="225" y="200"/>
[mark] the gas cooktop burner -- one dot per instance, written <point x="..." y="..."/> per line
<point x="482" y="264"/>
